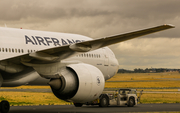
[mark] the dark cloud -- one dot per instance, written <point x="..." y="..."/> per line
<point x="18" y="9"/>
<point x="101" y="18"/>
<point x="149" y="9"/>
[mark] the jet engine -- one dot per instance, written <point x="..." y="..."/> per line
<point x="78" y="83"/>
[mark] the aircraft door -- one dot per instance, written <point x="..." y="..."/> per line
<point x="106" y="58"/>
<point x="106" y="61"/>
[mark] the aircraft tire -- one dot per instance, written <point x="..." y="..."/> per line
<point x="104" y="101"/>
<point x="4" y="106"/>
<point x="78" y="104"/>
<point x="131" y="102"/>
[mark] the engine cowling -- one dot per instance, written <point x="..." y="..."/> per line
<point x="78" y="83"/>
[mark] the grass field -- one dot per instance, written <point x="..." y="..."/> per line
<point x="145" y="80"/>
<point x="31" y="98"/>
<point x="27" y="87"/>
<point x="160" y="98"/>
<point x="168" y="82"/>
<point x="145" y="76"/>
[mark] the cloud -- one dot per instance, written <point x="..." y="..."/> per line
<point x="101" y="18"/>
<point x="148" y="52"/>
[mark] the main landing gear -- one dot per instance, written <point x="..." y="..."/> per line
<point x="4" y="106"/>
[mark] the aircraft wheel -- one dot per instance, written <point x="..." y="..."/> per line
<point x="78" y="104"/>
<point x="131" y="102"/>
<point x="4" y="106"/>
<point x="103" y="101"/>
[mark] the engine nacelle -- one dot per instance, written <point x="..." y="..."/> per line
<point x="78" y="83"/>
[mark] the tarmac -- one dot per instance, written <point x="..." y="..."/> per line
<point x="110" y="89"/>
<point x="94" y="109"/>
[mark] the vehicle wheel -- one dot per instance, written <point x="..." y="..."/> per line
<point x="103" y="101"/>
<point x="131" y="102"/>
<point x="4" y="106"/>
<point x="78" y="104"/>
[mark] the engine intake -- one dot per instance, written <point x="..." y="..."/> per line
<point x="66" y="86"/>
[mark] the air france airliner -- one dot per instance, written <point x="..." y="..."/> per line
<point x="75" y="66"/>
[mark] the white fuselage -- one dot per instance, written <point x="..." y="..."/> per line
<point x="104" y="59"/>
<point x="15" y="43"/>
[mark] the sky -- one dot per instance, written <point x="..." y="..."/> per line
<point x="102" y="18"/>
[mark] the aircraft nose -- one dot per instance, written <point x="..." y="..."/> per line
<point x="115" y="62"/>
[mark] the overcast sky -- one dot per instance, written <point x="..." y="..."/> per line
<point x="101" y="18"/>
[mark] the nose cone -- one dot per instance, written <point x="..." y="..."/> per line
<point x="116" y="62"/>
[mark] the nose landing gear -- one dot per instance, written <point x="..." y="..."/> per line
<point x="4" y="106"/>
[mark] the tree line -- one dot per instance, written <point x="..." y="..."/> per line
<point x="148" y="70"/>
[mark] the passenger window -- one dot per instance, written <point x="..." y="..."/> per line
<point x="9" y="50"/>
<point x="0" y="49"/>
<point x="13" y="50"/>
<point x="3" y="49"/>
<point x="19" y="50"/>
<point x="16" y="50"/>
<point x="22" y="50"/>
<point x="6" y="50"/>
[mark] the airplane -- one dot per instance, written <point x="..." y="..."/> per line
<point x="75" y="66"/>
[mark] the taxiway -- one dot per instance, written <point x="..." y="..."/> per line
<point x="71" y="108"/>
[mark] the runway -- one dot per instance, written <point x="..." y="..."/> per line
<point x="106" y="89"/>
<point x="71" y="108"/>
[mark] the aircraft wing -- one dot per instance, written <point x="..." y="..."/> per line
<point x="102" y="42"/>
<point x="59" y="53"/>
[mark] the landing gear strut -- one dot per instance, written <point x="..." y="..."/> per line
<point x="4" y="106"/>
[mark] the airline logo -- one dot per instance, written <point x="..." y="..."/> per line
<point x="47" y="41"/>
<point x="98" y="81"/>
